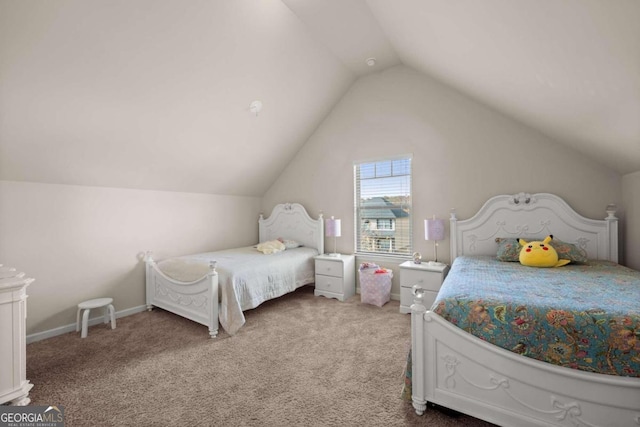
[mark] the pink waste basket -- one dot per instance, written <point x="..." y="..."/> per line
<point x="375" y="284"/>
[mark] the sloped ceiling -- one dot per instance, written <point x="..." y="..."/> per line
<point x="155" y="94"/>
<point x="349" y="29"/>
<point x="569" y="68"/>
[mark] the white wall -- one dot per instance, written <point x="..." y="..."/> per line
<point x="631" y="225"/>
<point x="83" y="242"/>
<point x="463" y="154"/>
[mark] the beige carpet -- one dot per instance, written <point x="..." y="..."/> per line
<point x="300" y="360"/>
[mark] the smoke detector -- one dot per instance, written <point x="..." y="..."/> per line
<point x="255" y="107"/>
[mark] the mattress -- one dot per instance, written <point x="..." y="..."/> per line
<point x="246" y="277"/>
<point x="581" y="316"/>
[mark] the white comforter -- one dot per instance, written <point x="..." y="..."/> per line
<point x="246" y="277"/>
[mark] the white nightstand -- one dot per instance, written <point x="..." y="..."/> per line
<point x="430" y="277"/>
<point x="335" y="276"/>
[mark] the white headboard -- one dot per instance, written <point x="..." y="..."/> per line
<point x="291" y="221"/>
<point x="533" y="215"/>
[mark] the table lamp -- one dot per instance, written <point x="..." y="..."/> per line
<point x="332" y="229"/>
<point x="434" y="230"/>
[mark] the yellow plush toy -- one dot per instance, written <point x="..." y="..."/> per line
<point x="540" y="254"/>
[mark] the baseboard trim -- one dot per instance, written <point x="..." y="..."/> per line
<point x="39" y="336"/>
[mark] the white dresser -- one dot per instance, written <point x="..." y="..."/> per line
<point x="335" y="276"/>
<point x="14" y="386"/>
<point x="430" y="277"/>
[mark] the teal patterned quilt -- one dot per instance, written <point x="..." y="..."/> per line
<point x="581" y="316"/>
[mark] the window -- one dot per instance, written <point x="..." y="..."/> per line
<point x="386" y="224"/>
<point x="383" y="207"/>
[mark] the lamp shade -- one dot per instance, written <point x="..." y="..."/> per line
<point x="332" y="227"/>
<point x="433" y="229"/>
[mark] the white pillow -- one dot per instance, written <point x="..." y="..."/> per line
<point x="289" y="244"/>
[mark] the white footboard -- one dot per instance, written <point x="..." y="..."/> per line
<point x="457" y="370"/>
<point x="197" y="301"/>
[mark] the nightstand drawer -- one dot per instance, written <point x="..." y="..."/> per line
<point x="329" y="268"/>
<point x="428" y="281"/>
<point x="329" y="283"/>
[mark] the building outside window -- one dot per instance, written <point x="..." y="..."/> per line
<point x="386" y="224"/>
<point x="383" y="206"/>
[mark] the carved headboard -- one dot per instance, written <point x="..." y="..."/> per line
<point x="533" y="216"/>
<point x="291" y="221"/>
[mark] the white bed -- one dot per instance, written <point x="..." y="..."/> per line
<point x="213" y="296"/>
<point x="457" y="370"/>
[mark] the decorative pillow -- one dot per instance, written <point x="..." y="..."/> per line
<point x="569" y="251"/>
<point x="271" y="247"/>
<point x="289" y="244"/>
<point x="540" y="254"/>
<point x="509" y="250"/>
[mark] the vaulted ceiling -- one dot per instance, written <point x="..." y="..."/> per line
<point x="155" y="94"/>
<point x="569" y="68"/>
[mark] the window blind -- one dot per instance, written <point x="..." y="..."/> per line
<point x="383" y="206"/>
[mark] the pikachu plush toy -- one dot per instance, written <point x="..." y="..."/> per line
<point x="540" y="254"/>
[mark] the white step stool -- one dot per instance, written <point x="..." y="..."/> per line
<point x="109" y="312"/>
